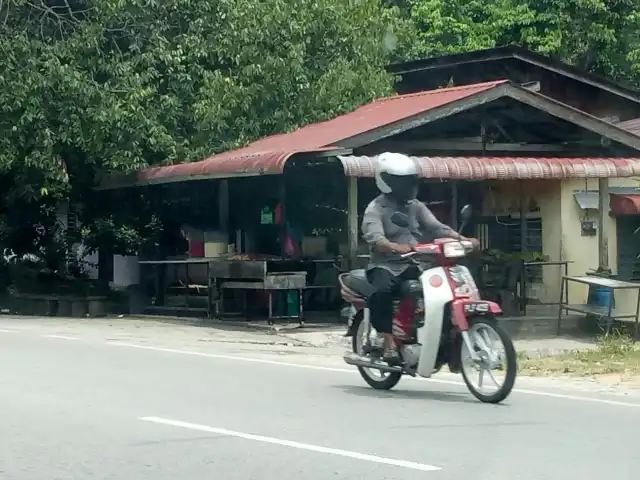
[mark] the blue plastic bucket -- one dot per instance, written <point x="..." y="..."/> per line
<point x="602" y="297"/>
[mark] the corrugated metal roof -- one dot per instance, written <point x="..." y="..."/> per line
<point x="225" y="165"/>
<point x="269" y="155"/>
<point x="503" y="168"/>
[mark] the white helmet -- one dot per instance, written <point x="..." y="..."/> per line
<point x="397" y="174"/>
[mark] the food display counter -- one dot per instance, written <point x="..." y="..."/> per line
<point x="240" y="273"/>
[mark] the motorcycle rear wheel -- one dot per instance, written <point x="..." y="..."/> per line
<point x="510" y="357"/>
<point x="385" y="381"/>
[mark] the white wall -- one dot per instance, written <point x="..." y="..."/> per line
<point x="583" y="251"/>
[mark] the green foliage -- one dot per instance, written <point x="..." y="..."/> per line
<point x="594" y="35"/>
<point x="95" y="86"/>
<point x="616" y="344"/>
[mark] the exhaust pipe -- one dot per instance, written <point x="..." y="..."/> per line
<point x="359" y="361"/>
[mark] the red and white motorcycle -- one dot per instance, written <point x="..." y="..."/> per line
<point x="439" y="318"/>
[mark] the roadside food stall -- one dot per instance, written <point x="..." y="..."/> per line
<point x="267" y="245"/>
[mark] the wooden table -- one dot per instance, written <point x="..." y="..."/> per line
<point x="596" y="310"/>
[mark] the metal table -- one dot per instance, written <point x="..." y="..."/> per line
<point x="599" y="311"/>
<point x="267" y="273"/>
<point x="161" y="265"/>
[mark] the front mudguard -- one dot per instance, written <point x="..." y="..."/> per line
<point x="464" y="308"/>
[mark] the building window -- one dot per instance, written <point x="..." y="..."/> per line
<point x="628" y="235"/>
<point x="504" y="234"/>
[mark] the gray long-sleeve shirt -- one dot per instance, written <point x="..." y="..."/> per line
<point x="377" y="225"/>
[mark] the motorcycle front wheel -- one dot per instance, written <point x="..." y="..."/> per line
<point x="375" y="378"/>
<point x="498" y="366"/>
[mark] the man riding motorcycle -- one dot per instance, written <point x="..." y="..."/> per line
<point x="397" y="178"/>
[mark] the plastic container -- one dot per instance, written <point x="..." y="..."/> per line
<point x="215" y="244"/>
<point x="603" y="297"/>
<point x="196" y="248"/>
<point x="293" y="307"/>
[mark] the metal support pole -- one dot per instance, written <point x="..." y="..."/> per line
<point x="454" y="204"/>
<point x="223" y="205"/>
<point x="603" y="241"/>
<point x="352" y="219"/>
<point x="282" y="200"/>
<point x="523" y="219"/>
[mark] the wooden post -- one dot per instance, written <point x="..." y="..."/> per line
<point x="603" y="209"/>
<point x="352" y="220"/>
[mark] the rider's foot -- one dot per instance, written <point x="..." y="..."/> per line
<point x="455" y="367"/>
<point x="391" y="357"/>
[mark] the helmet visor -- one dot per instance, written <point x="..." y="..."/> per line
<point x="403" y="187"/>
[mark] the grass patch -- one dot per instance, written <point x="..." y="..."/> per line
<point x="615" y="354"/>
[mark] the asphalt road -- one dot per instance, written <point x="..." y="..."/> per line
<point x="77" y="407"/>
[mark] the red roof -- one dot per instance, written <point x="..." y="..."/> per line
<point x="503" y="168"/>
<point x="269" y="154"/>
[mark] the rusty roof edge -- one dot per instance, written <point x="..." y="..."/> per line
<point x="482" y="86"/>
<point x="119" y="180"/>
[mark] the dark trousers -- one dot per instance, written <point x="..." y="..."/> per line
<point x="386" y="285"/>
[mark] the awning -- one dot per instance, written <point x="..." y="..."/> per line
<point x="625" y="204"/>
<point x="505" y="168"/>
<point x="587" y="200"/>
<point x="228" y="165"/>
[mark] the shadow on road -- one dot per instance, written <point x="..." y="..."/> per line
<point x="452" y="397"/>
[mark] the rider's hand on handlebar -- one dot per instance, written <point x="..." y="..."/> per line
<point x="402" y="248"/>
<point x="474" y="242"/>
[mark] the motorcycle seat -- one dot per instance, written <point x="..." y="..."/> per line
<point x="356" y="280"/>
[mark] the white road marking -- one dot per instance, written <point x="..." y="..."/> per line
<point x="6" y="330"/>
<point x="344" y="370"/>
<point x="61" y="337"/>
<point x="288" y="443"/>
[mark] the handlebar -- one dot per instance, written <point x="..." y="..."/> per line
<point x="467" y="244"/>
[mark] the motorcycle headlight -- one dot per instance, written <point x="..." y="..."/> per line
<point x="453" y="250"/>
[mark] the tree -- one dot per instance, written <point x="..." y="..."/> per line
<point x="95" y="86"/>
<point x="595" y="35"/>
